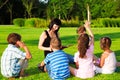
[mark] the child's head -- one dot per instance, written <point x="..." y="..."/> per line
<point x="81" y="30"/>
<point x="105" y="43"/>
<point x="83" y="44"/>
<point x="13" y="38"/>
<point x="55" y="43"/>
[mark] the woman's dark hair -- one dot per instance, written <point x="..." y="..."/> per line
<point x="105" y="43"/>
<point x="13" y="38"/>
<point x="83" y="44"/>
<point x="55" y="21"/>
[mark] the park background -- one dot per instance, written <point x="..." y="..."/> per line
<point x="31" y="17"/>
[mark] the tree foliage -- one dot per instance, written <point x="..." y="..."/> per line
<point x="63" y="9"/>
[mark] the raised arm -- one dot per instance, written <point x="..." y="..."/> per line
<point x="87" y="26"/>
<point x="22" y="45"/>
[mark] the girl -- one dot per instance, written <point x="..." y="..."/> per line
<point x="107" y="63"/>
<point x="84" y="57"/>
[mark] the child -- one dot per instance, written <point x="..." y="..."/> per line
<point x="108" y="62"/>
<point x="13" y="60"/>
<point x="57" y="62"/>
<point x="80" y="30"/>
<point x="84" y="57"/>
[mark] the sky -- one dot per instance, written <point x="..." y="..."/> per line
<point x="45" y="1"/>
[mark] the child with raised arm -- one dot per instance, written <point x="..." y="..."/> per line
<point x="108" y="62"/>
<point x="84" y="57"/>
<point x="13" y="60"/>
<point x="57" y="62"/>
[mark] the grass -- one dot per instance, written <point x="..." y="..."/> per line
<point x="68" y="36"/>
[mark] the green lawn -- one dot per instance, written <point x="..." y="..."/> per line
<point x="68" y="36"/>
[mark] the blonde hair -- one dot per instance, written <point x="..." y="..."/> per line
<point x="55" y="43"/>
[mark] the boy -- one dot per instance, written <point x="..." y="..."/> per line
<point x="13" y="60"/>
<point x="57" y="63"/>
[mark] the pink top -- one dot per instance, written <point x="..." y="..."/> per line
<point x="86" y="66"/>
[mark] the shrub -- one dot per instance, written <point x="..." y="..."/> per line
<point x="106" y="22"/>
<point x="30" y="22"/>
<point x="36" y="22"/>
<point x="72" y="23"/>
<point x="19" y="22"/>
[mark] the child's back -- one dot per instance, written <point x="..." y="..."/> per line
<point x="57" y="62"/>
<point x="86" y="66"/>
<point x="109" y="64"/>
<point x="59" y="65"/>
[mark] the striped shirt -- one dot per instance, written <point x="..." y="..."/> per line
<point x="58" y="65"/>
<point x="10" y="65"/>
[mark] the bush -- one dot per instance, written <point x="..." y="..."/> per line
<point x="40" y="23"/>
<point x="72" y="23"/>
<point x="19" y="22"/>
<point x="36" y="22"/>
<point x="106" y="22"/>
<point x="30" y="22"/>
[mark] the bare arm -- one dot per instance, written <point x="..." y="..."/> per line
<point x="22" y="45"/>
<point x="102" y="60"/>
<point x="41" y="41"/>
<point x="77" y="65"/>
<point x="87" y="26"/>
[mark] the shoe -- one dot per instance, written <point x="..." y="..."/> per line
<point x="41" y="68"/>
<point x="22" y="76"/>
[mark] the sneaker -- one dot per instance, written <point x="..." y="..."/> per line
<point x="41" y="68"/>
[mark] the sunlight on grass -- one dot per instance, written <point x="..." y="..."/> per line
<point x="68" y="36"/>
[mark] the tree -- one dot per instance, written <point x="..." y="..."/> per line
<point x="59" y="8"/>
<point x="3" y="3"/>
<point x="9" y="7"/>
<point x="28" y="4"/>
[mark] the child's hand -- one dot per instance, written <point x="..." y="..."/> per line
<point x="87" y="24"/>
<point x="20" y="44"/>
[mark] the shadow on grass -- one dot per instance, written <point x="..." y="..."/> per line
<point x="117" y="53"/>
<point x="33" y="71"/>
<point x="65" y="39"/>
<point x="4" y="43"/>
<point x="111" y="35"/>
<point x="69" y="39"/>
<point x="31" y="42"/>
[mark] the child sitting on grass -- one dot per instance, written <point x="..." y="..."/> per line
<point x="57" y="62"/>
<point x="84" y="56"/>
<point x="108" y="62"/>
<point x="13" y="60"/>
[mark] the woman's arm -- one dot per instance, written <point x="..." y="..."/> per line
<point x="41" y="41"/>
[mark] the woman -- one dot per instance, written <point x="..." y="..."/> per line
<point x="47" y="35"/>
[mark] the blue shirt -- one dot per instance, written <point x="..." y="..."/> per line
<point x="10" y="65"/>
<point x="58" y="65"/>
